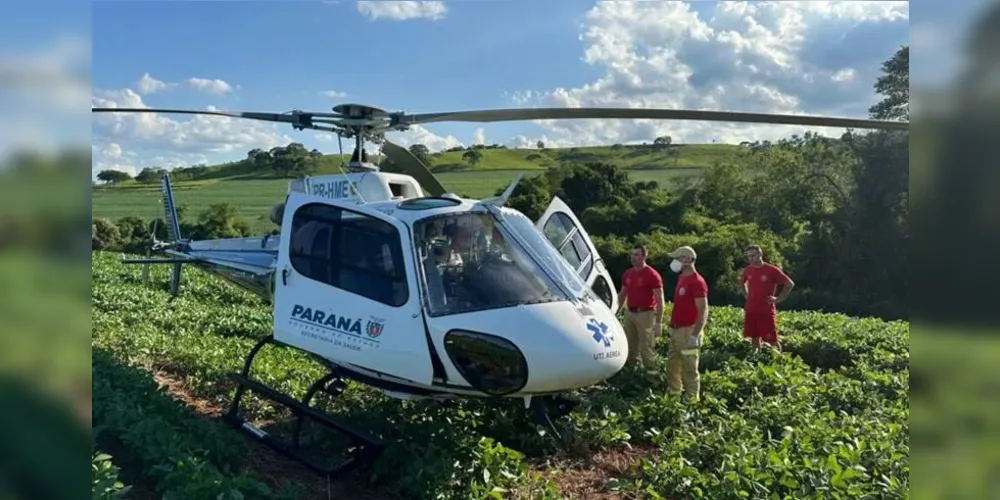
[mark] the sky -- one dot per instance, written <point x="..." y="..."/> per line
<point x="783" y="57"/>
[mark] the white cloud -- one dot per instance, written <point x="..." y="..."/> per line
<point x="169" y="141"/>
<point x="525" y="142"/>
<point x="420" y="135"/>
<point x="111" y="156"/>
<point x="844" y="75"/>
<point x="772" y="57"/>
<point x="336" y="94"/>
<point x="211" y="86"/>
<point x="479" y="136"/>
<point x="150" y="85"/>
<point x="402" y="11"/>
<point x="177" y="141"/>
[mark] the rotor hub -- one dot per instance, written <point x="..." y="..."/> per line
<point x="359" y="111"/>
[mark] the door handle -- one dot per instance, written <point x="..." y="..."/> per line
<point x="284" y="276"/>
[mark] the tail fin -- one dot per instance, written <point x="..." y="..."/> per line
<point x="170" y="210"/>
<point x="173" y="233"/>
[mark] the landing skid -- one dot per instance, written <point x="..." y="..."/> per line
<point x="366" y="447"/>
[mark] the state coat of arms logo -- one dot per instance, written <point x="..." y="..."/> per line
<point x="375" y="328"/>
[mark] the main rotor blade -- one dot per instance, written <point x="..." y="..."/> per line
<point x="271" y="117"/>
<point x="499" y="115"/>
<point x="413" y="167"/>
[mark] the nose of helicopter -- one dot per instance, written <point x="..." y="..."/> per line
<point x="586" y="348"/>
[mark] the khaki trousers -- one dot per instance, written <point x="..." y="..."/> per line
<point x="641" y="337"/>
<point x="682" y="363"/>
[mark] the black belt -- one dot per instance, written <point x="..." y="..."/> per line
<point x="639" y="309"/>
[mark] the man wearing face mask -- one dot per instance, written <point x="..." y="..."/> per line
<point x="687" y="324"/>
<point x="642" y="287"/>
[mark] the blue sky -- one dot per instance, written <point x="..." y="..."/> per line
<point x="283" y="55"/>
<point x="276" y="56"/>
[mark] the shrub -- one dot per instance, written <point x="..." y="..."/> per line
<point x="103" y="234"/>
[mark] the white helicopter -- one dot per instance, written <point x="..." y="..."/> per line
<point x="391" y="281"/>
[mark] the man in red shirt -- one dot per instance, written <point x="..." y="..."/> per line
<point x="687" y="324"/>
<point x="642" y="288"/>
<point x="760" y="280"/>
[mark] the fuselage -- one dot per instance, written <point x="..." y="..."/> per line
<point x="524" y="323"/>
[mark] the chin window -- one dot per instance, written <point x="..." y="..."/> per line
<point x="489" y="363"/>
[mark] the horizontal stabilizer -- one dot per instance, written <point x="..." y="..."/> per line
<point x="159" y="261"/>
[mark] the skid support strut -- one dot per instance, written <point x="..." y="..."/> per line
<point x="366" y="447"/>
<point x="542" y="416"/>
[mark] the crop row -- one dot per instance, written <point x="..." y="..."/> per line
<point x="180" y="454"/>
<point x="829" y="414"/>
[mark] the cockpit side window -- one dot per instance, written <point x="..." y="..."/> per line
<point x="351" y="251"/>
<point x="562" y="233"/>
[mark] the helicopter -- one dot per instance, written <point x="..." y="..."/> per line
<point x="389" y="280"/>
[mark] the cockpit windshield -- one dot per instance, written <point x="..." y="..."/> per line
<point x="471" y="263"/>
<point x="550" y="257"/>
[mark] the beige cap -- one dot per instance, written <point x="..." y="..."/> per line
<point x="684" y="251"/>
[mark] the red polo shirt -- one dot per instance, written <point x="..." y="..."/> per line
<point x="639" y="286"/>
<point x="761" y="283"/>
<point x="685" y="311"/>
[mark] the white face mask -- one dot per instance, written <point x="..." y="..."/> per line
<point x="676" y="266"/>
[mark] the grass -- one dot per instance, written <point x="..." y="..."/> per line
<point x="255" y="192"/>
<point x="829" y="416"/>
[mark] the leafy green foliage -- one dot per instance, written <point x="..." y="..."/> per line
<point x="113" y="176"/>
<point x="894" y="84"/>
<point x="132" y="234"/>
<point x="104" y="234"/>
<point x="105" y="484"/>
<point x="830" y="414"/>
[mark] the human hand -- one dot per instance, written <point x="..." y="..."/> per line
<point x="772" y="299"/>
<point x="695" y="340"/>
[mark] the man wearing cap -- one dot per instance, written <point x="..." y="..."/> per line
<point x="687" y="324"/>
<point x="642" y="287"/>
<point x="759" y="281"/>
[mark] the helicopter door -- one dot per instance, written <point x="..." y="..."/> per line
<point x="345" y="288"/>
<point x="561" y="227"/>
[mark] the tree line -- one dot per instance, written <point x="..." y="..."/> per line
<point x="293" y="160"/>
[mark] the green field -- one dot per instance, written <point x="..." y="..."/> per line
<point x="256" y="192"/>
<point x="829" y="416"/>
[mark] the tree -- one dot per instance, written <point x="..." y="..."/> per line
<point x="293" y="160"/>
<point x="149" y="175"/>
<point x="540" y="145"/>
<point x="221" y="220"/>
<point x="103" y="234"/>
<point x="894" y="84"/>
<point x="473" y="156"/>
<point x="421" y="152"/>
<point x="112" y="176"/>
<point x="260" y="159"/>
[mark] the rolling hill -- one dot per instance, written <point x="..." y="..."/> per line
<point x="255" y="190"/>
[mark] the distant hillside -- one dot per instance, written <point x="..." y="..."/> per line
<point x="493" y="158"/>
<point x="255" y="188"/>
